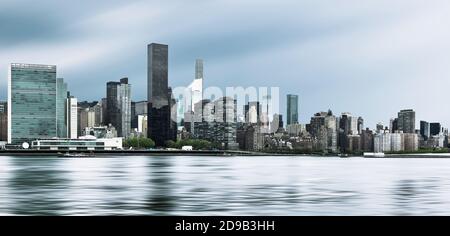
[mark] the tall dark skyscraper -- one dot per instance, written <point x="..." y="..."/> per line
<point x="407" y="121"/>
<point x="292" y="109"/>
<point x="160" y="125"/>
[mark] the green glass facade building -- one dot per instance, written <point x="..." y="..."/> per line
<point x="31" y="102"/>
<point x="292" y="109"/>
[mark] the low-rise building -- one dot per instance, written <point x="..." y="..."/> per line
<point x="83" y="143"/>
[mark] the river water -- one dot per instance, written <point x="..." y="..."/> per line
<point x="224" y="186"/>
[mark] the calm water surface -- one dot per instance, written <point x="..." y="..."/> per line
<point x="224" y="186"/>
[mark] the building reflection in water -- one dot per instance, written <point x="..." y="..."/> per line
<point x="143" y="185"/>
<point x="159" y="197"/>
<point x="412" y="197"/>
<point x="35" y="186"/>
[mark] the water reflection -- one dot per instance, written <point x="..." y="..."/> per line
<point x="34" y="185"/>
<point x="223" y="186"/>
<point x="160" y="200"/>
<point x="413" y="197"/>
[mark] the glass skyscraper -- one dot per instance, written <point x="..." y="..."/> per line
<point x="61" y="111"/>
<point x="160" y="124"/>
<point x="407" y="121"/>
<point x="31" y="102"/>
<point x="292" y="109"/>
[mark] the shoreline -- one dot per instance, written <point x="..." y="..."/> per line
<point x="221" y="153"/>
<point x="138" y="153"/>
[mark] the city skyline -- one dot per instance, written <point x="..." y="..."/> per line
<point x="372" y="68"/>
<point x="296" y="105"/>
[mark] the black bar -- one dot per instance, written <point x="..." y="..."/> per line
<point x="178" y="225"/>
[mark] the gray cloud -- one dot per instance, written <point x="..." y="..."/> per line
<point x="371" y="58"/>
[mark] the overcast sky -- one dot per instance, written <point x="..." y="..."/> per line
<point x="370" y="58"/>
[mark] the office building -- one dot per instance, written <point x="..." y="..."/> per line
<point x="86" y="118"/>
<point x="323" y="126"/>
<point x="382" y="142"/>
<point x="367" y="140"/>
<point x="380" y="127"/>
<point x="137" y="109"/>
<point x="393" y="125"/>
<point x="3" y="121"/>
<point x="407" y="121"/>
<point x="411" y="142"/>
<point x="397" y="140"/>
<point x="350" y="124"/>
<point x="72" y="117"/>
<point x="292" y="109"/>
<point x="277" y="123"/>
<point x="218" y="122"/>
<point x="360" y="125"/>
<point x="31" y="102"/>
<point x="142" y="125"/>
<point x="118" y="106"/>
<point x="104" y="103"/>
<point x="159" y="97"/>
<point x="98" y="111"/>
<point x="354" y="143"/>
<point x="435" y="128"/>
<point x="250" y="138"/>
<point x="252" y="112"/>
<point x="61" y="100"/>
<point x="424" y="129"/>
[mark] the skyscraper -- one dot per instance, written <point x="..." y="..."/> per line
<point x="407" y="121"/>
<point x="196" y="86"/>
<point x="393" y="125"/>
<point x="72" y="117"/>
<point x="104" y="102"/>
<point x="349" y="123"/>
<point x="137" y="109"/>
<point x="360" y="125"/>
<point x="31" y="102"/>
<point x="118" y="108"/>
<point x="194" y="95"/>
<point x="424" y="129"/>
<point x="292" y="109"/>
<point x="61" y="99"/>
<point x="199" y="69"/>
<point x="277" y="123"/>
<point x="158" y="95"/>
<point x="252" y="112"/>
<point x="435" y="128"/>
<point x="3" y="121"/>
